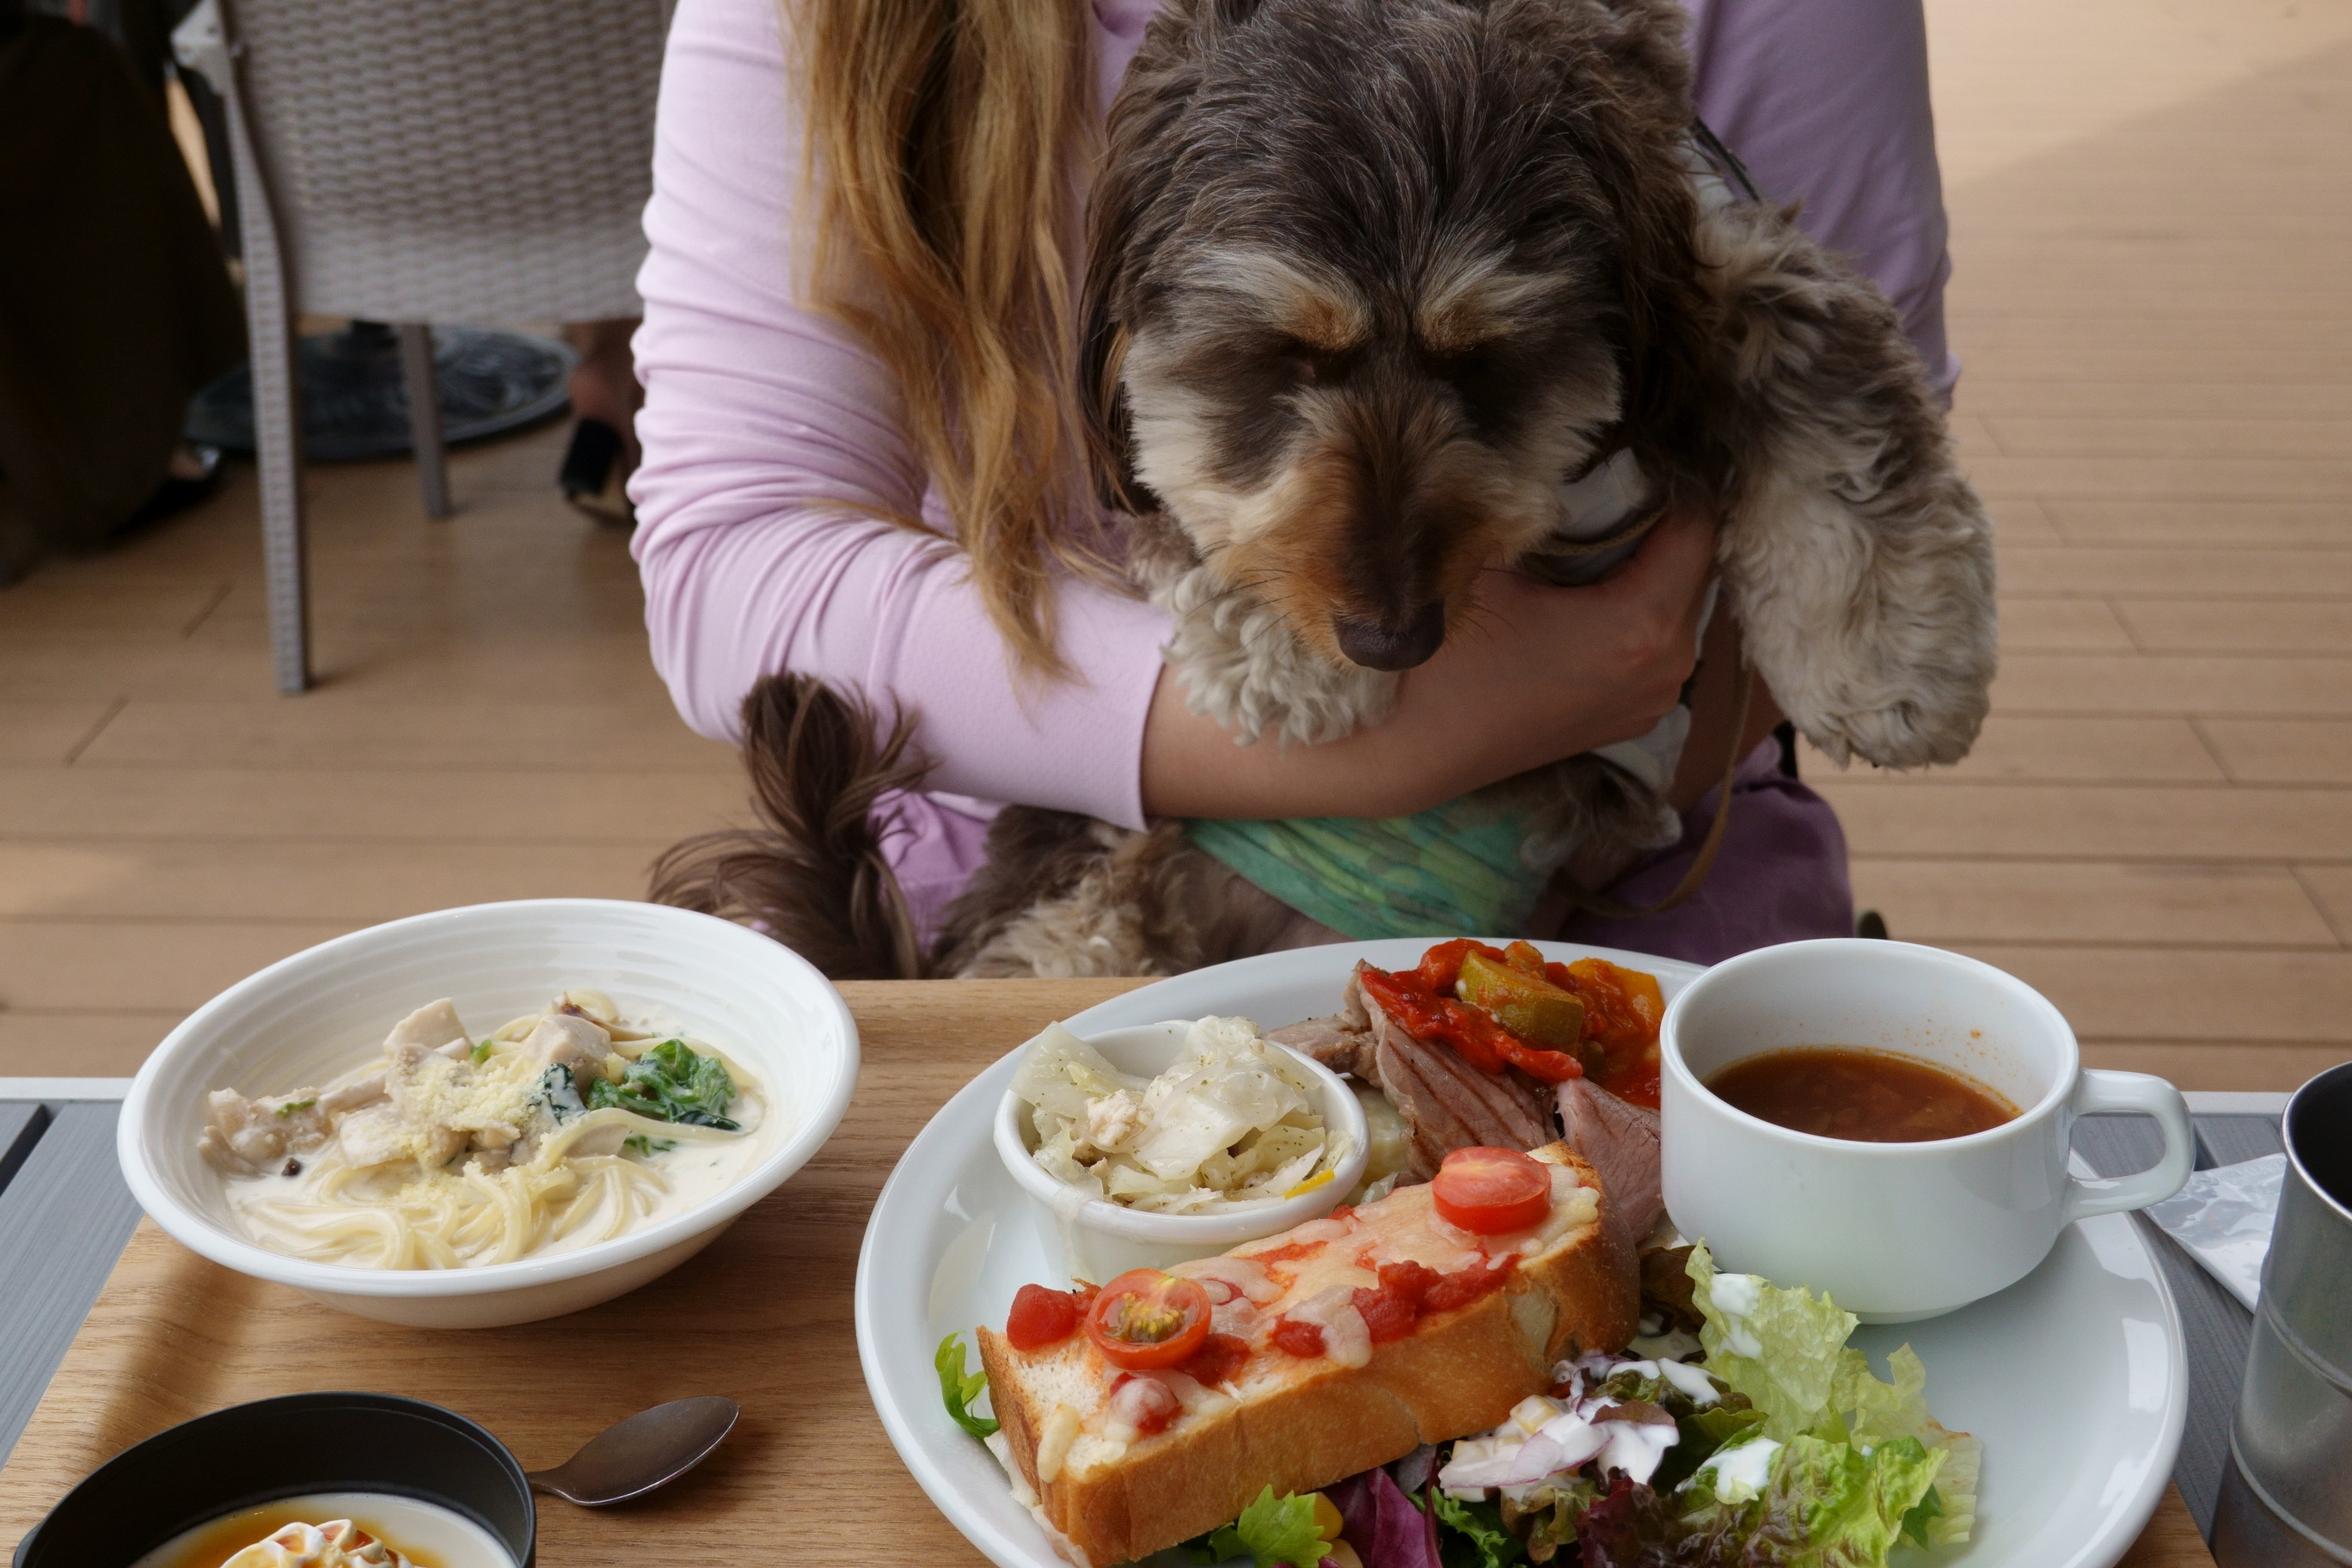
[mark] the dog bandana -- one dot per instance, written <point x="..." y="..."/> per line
<point x="1458" y="868"/>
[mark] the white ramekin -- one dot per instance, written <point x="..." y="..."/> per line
<point x="1101" y="1240"/>
<point x="307" y="1017"/>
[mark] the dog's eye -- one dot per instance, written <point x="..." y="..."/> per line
<point x="1307" y="365"/>
<point x="1465" y="367"/>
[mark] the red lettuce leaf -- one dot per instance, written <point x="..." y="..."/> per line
<point x="1383" y="1524"/>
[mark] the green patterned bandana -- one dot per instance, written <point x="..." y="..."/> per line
<point x="1452" y="870"/>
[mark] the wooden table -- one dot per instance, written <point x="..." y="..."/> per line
<point x="764" y="1315"/>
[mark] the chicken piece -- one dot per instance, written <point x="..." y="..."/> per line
<point x="303" y="1119"/>
<point x="336" y="1102"/>
<point x="379" y="1134"/>
<point x="435" y="1025"/>
<point x="245" y="1135"/>
<point x="374" y="1134"/>
<point x="1620" y="1141"/>
<point x="238" y="1135"/>
<point x="598" y="1009"/>
<point x="571" y="1041"/>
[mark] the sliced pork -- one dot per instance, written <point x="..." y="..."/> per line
<point x="1447" y="1103"/>
<point x="1620" y="1141"/>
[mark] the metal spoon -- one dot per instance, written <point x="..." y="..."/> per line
<point x="631" y="1457"/>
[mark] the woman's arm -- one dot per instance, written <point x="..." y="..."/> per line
<point x="1535" y="675"/>
<point x="767" y="425"/>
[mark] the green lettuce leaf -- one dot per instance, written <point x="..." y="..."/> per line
<point x="1852" y="1505"/>
<point x="1269" y="1533"/>
<point x="1877" y="1410"/>
<point x="959" y="1388"/>
<point x="1922" y="1517"/>
<point x="1782" y="1349"/>
<point x="1786" y="1352"/>
<point x="1472" y="1535"/>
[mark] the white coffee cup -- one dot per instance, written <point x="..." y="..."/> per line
<point x="1894" y="1232"/>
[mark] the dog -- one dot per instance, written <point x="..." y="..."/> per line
<point x="1379" y="295"/>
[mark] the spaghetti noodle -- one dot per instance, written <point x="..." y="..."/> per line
<point x="560" y="1130"/>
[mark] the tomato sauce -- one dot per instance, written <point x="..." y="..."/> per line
<point x="1407" y="1293"/>
<point x="1623" y="1009"/>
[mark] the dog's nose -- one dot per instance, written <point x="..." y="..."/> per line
<point x="1387" y="645"/>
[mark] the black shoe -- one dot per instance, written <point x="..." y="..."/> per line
<point x="176" y="494"/>
<point x="1872" y="924"/>
<point x="591" y="477"/>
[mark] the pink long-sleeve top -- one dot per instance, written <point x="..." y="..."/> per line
<point x="766" y="424"/>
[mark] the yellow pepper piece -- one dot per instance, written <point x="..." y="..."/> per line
<point x="1528" y="1006"/>
<point x="1308" y="1186"/>
<point x="1328" y="1521"/>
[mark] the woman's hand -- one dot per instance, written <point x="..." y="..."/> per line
<point x="1532" y="675"/>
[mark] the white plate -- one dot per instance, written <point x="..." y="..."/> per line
<point x="2075" y="1377"/>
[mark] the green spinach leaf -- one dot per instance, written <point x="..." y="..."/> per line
<point x="671" y="1082"/>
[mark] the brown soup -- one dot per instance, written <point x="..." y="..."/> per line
<point x="1870" y="1097"/>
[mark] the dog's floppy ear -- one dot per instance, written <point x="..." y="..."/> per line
<point x="1141" y="147"/>
<point x="1858" y="558"/>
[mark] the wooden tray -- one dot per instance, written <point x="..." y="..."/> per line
<point x="764" y="1315"/>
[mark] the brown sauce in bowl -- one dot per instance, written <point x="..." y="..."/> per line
<point x="1865" y="1095"/>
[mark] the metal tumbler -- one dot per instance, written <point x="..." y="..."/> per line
<point x="2286" y="1501"/>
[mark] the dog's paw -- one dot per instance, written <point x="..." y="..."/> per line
<point x="1901" y="734"/>
<point x="1241" y="666"/>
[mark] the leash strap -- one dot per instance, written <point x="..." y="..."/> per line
<point x="1725" y="159"/>
<point x="1593" y="903"/>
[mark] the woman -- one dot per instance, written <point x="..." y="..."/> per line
<point x="806" y="502"/>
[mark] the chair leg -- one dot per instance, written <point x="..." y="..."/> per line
<point x="424" y="417"/>
<point x="277" y="414"/>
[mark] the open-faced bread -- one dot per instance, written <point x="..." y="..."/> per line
<point x="1299" y="1424"/>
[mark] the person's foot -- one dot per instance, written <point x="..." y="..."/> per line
<point x="594" y="473"/>
<point x="191" y="475"/>
<point x="604" y="400"/>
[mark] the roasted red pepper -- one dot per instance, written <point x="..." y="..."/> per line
<point x="1428" y="1013"/>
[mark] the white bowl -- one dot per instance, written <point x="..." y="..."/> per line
<point x="1101" y="1240"/>
<point x="321" y="1012"/>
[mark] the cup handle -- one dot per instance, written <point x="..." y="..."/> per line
<point x="2100" y="1090"/>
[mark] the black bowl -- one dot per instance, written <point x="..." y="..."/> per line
<point x="253" y="1454"/>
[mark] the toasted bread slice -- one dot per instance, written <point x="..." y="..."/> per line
<point x="1299" y="1424"/>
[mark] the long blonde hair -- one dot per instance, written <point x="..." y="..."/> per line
<point x="945" y="142"/>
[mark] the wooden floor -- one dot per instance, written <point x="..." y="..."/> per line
<point x="2151" y="212"/>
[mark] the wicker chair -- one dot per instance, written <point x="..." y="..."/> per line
<point x="420" y="161"/>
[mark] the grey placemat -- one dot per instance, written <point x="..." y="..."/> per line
<point x="64" y="1218"/>
<point x="2216" y="1326"/>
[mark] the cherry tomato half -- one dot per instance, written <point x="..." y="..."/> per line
<point x="1491" y="1191"/>
<point x="1144" y="1320"/>
<point x="1042" y="1317"/>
